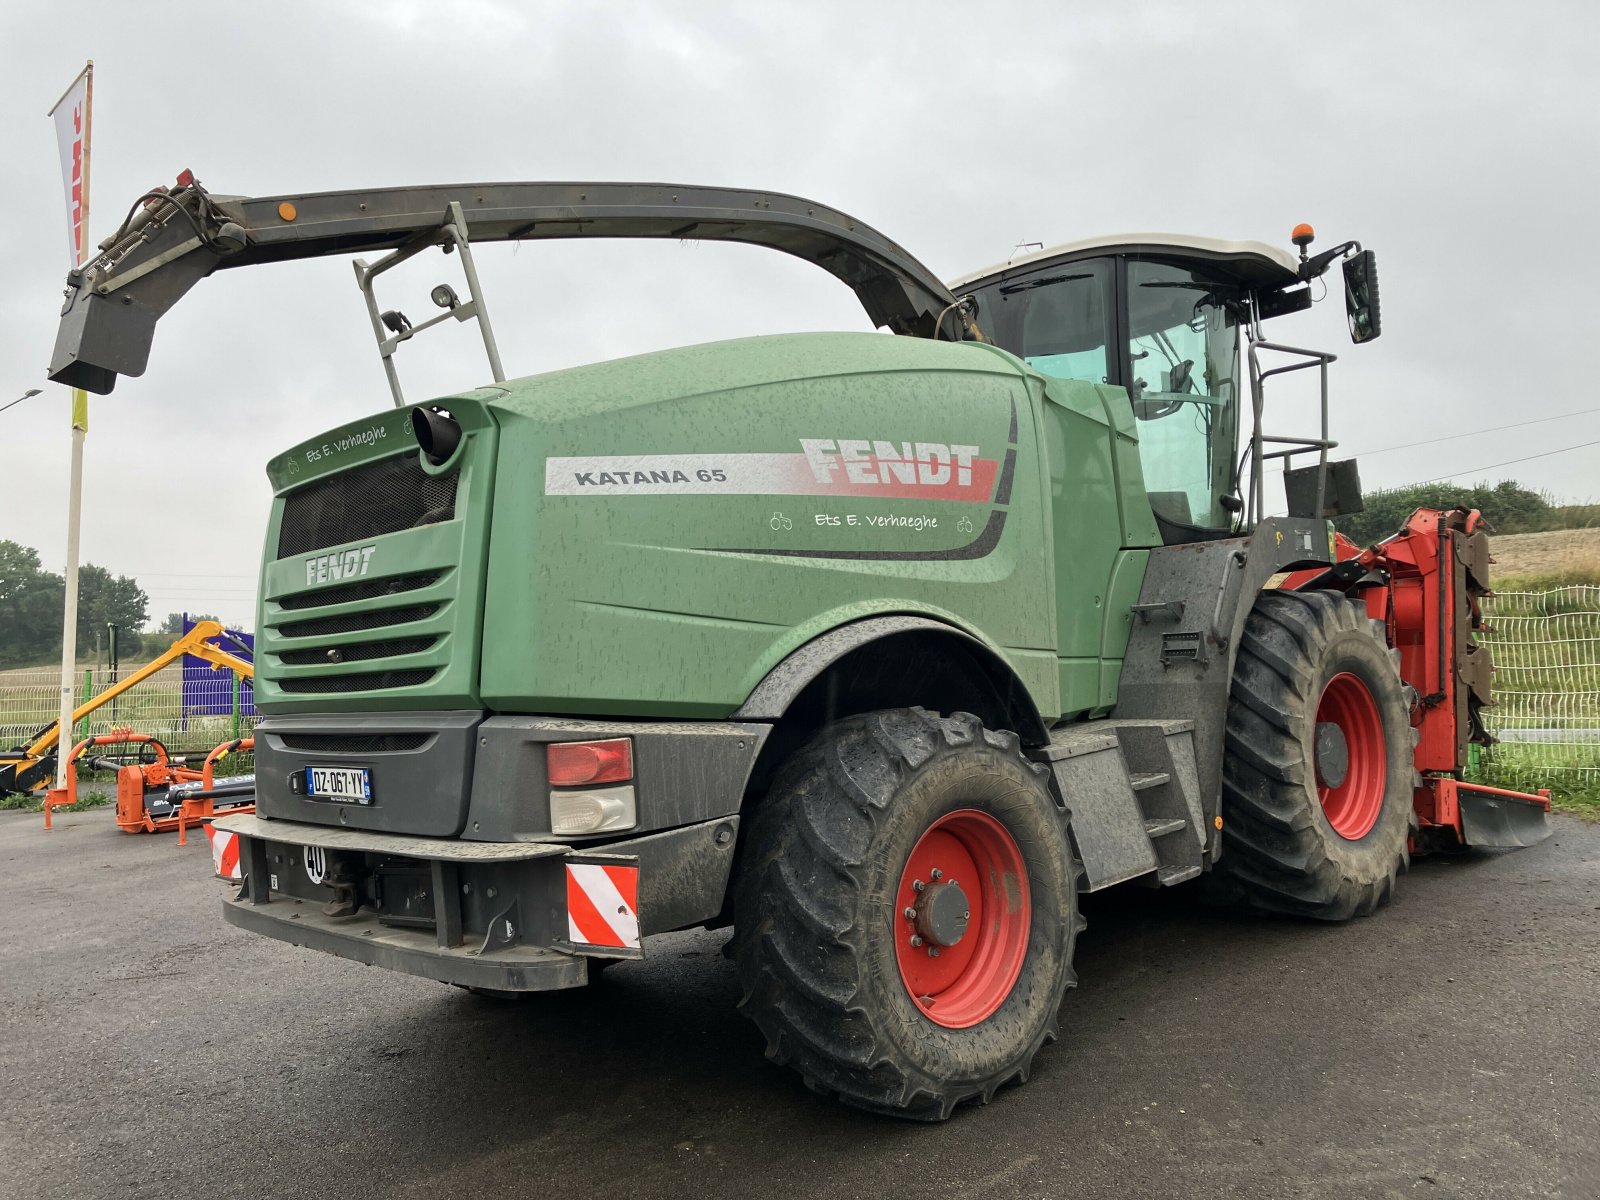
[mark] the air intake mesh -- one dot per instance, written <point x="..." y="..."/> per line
<point x="382" y="497"/>
<point x="355" y="743"/>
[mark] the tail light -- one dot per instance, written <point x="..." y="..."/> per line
<point x="578" y="804"/>
<point x="579" y="764"/>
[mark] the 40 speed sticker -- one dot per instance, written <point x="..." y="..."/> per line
<point x="824" y="467"/>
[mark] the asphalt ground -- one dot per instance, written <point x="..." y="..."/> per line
<point x="1449" y="1046"/>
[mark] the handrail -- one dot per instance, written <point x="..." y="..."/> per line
<point x="1321" y="359"/>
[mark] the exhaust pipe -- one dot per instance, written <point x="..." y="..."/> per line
<point x="437" y="434"/>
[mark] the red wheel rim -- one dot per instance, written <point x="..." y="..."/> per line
<point x="973" y="862"/>
<point x="1353" y="803"/>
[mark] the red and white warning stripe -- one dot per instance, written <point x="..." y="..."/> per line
<point x="224" y="852"/>
<point x="603" y="905"/>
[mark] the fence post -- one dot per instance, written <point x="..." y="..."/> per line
<point x="88" y="695"/>
<point x="235" y="675"/>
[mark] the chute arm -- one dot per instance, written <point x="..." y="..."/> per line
<point x="183" y="234"/>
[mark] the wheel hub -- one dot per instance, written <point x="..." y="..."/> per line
<point x="943" y="911"/>
<point x="1333" y="755"/>
<point x="962" y="918"/>
<point x="1350" y="757"/>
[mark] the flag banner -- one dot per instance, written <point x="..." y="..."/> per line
<point x="71" y="115"/>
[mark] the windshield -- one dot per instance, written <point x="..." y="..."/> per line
<point x="1183" y="350"/>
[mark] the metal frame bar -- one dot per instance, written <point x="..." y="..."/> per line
<point x="451" y="234"/>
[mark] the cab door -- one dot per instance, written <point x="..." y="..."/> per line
<point x="1180" y="347"/>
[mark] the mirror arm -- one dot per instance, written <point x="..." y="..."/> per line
<point x="1317" y="264"/>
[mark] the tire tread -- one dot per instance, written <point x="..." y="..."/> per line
<point x="1275" y="859"/>
<point x="796" y="953"/>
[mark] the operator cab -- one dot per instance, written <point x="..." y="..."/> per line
<point x="1158" y="315"/>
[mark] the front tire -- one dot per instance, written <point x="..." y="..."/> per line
<point x="895" y="997"/>
<point x="1319" y="774"/>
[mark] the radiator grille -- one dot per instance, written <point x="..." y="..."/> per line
<point x="374" y="681"/>
<point x="344" y="594"/>
<point x="381" y="497"/>
<point x="361" y="653"/>
<point x="355" y="743"/>
<point x="377" y="618"/>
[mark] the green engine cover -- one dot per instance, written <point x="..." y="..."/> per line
<point x="651" y="536"/>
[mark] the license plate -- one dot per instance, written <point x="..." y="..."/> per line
<point x="348" y="785"/>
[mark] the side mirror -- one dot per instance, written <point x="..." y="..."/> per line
<point x="1361" y="296"/>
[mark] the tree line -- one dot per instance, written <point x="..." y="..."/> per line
<point x="1507" y="506"/>
<point x="30" y="611"/>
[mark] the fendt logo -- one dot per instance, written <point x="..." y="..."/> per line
<point x="927" y="463"/>
<point x="825" y="467"/>
<point x="346" y="564"/>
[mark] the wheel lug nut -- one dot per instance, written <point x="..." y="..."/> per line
<point x="936" y="874"/>
<point x="916" y="940"/>
<point x="917" y="885"/>
<point x="910" y="913"/>
<point x="933" y="952"/>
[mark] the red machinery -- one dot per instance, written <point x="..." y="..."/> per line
<point x="236" y="792"/>
<point x="29" y="767"/>
<point x="1424" y="583"/>
<point x="158" y="793"/>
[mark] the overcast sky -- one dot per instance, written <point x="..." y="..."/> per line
<point x="1461" y="141"/>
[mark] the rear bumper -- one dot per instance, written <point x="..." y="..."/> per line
<point x="411" y="952"/>
<point x="513" y="916"/>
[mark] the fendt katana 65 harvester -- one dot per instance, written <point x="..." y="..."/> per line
<point x="880" y="649"/>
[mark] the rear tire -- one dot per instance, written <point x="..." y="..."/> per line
<point x="1308" y="833"/>
<point x="822" y="940"/>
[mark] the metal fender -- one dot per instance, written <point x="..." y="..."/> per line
<point x="775" y="693"/>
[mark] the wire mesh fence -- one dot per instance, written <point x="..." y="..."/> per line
<point x="185" y="720"/>
<point x="1546" y="648"/>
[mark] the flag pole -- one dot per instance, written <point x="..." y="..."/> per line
<point x="75" y="169"/>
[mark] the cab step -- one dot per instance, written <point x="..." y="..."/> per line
<point x="1132" y="788"/>
<point x="1163" y="826"/>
